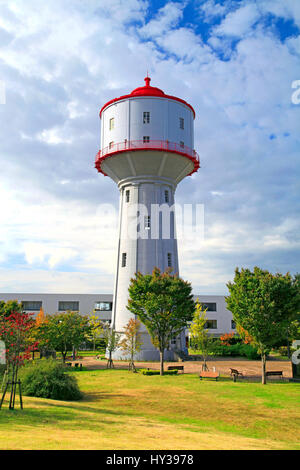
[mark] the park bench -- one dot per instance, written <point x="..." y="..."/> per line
<point x="207" y="374"/>
<point x="176" y="368"/>
<point x="235" y="372"/>
<point x="77" y="364"/>
<point x="274" y="372"/>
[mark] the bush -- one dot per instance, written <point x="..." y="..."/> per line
<point x="283" y="351"/>
<point x="156" y="372"/>
<point x="234" y="350"/>
<point x="47" y="378"/>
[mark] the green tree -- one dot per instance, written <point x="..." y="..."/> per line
<point x="96" y="331"/>
<point x="131" y="342"/>
<point x="63" y="331"/>
<point x="164" y="303"/>
<point x="112" y="341"/>
<point x="264" y="305"/>
<point x="201" y="339"/>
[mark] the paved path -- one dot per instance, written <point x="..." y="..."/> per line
<point x="248" y="368"/>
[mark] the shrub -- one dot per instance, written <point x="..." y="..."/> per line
<point x="156" y="372"/>
<point x="47" y="378"/>
<point x="234" y="350"/>
<point x="283" y="351"/>
<point x="229" y="339"/>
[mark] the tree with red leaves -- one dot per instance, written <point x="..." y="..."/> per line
<point x="15" y="328"/>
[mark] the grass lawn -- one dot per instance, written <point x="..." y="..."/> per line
<point x="122" y="410"/>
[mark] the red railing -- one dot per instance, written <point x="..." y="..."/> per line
<point x="161" y="145"/>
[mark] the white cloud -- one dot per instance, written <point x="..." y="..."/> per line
<point x="166" y="19"/>
<point x="211" y="9"/>
<point x="238" y="22"/>
<point x="289" y="9"/>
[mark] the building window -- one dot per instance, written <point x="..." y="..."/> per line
<point x="146" y="139"/>
<point x="211" y="324"/>
<point x="146" y="117"/>
<point x="233" y="325"/>
<point x="210" y="306"/>
<point x="181" y="123"/>
<point x="127" y="195"/>
<point x="181" y="144"/>
<point x="104" y="306"/>
<point x="111" y="144"/>
<point x="169" y="260"/>
<point x="111" y="124"/>
<point x="68" y="305"/>
<point x="124" y="258"/>
<point x="166" y="196"/>
<point x="147" y="222"/>
<point x="32" y="305"/>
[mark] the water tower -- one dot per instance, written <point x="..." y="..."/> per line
<point x="147" y="148"/>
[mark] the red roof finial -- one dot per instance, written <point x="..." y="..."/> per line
<point x="147" y="80"/>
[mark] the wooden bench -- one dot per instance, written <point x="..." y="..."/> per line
<point x="235" y="372"/>
<point x="207" y="374"/>
<point x="274" y="372"/>
<point x="176" y="368"/>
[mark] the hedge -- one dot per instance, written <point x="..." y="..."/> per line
<point x="157" y="372"/>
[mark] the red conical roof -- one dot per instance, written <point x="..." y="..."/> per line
<point x="147" y="90"/>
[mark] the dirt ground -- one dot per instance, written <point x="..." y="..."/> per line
<point x="251" y="369"/>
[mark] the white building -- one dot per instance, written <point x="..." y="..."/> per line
<point x="147" y="148"/>
<point x="219" y="318"/>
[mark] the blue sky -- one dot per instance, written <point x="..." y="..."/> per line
<point x="60" y="61"/>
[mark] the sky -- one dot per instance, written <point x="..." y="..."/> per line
<point x="235" y="61"/>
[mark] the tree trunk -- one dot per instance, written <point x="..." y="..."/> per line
<point x="64" y="354"/>
<point x="263" y="363"/>
<point x="74" y="354"/>
<point x="110" y="363"/>
<point x="161" y="353"/>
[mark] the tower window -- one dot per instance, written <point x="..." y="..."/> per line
<point x="146" y="139"/>
<point x="147" y="222"/>
<point x="146" y="117"/>
<point x="181" y="144"/>
<point x="166" y="196"/>
<point x="169" y="260"/>
<point x="181" y="123"/>
<point x="111" y="124"/>
<point x="127" y="195"/>
<point x="124" y="259"/>
<point x="111" y="144"/>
